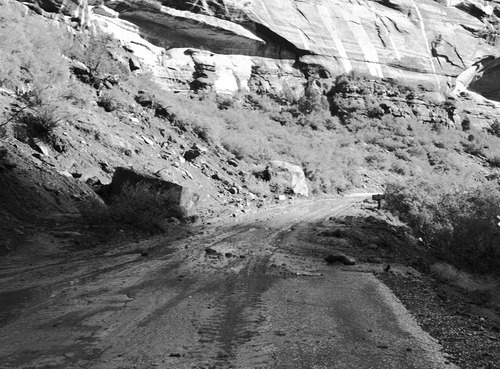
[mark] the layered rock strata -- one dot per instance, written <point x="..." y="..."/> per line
<point x="274" y="45"/>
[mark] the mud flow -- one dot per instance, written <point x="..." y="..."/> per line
<point x="246" y="292"/>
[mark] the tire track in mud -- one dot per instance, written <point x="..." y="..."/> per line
<point x="236" y="288"/>
<point x="237" y="318"/>
<point x="231" y="333"/>
<point x="180" y="307"/>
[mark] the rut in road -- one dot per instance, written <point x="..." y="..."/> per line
<point x="237" y="317"/>
<point x="241" y="312"/>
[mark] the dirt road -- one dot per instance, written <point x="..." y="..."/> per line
<point x="244" y="292"/>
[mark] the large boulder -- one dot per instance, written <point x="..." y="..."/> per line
<point x="181" y="197"/>
<point x="290" y="174"/>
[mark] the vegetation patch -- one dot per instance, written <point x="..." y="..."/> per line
<point x="141" y="206"/>
<point x="458" y="223"/>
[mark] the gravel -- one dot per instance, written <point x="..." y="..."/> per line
<point x="470" y="339"/>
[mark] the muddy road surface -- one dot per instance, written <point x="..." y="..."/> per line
<point x="244" y="292"/>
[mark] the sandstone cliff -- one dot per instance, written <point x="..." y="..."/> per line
<point x="273" y="45"/>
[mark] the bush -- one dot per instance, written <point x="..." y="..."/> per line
<point x="39" y="123"/>
<point x="95" y="211"/>
<point x="494" y="161"/>
<point x="399" y="168"/>
<point x="313" y="99"/>
<point x="225" y="102"/>
<point x="145" y="207"/>
<point x="402" y="154"/>
<point x="495" y="128"/>
<point x="377" y="160"/>
<point x="466" y="281"/>
<point x="235" y="147"/>
<point x="111" y="100"/>
<point x="30" y="58"/>
<point x="457" y="222"/>
<point x="256" y="185"/>
<point x="260" y="102"/>
<point x="473" y="147"/>
<point x="95" y="54"/>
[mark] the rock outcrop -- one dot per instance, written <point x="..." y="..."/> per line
<point x="274" y="45"/>
<point x="424" y="42"/>
<point x="182" y="199"/>
<point x="289" y="174"/>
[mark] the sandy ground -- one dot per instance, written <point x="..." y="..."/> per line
<point x="243" y="292"/>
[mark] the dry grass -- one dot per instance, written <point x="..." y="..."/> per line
<point x="466" y="281"/>
<point x="141" y="206"/>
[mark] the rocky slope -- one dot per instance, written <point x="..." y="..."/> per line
<point x="274" y="45"/>
<point x="179" y="44"/>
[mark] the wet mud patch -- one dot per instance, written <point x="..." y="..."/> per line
<point x="13" y="302"/>
<point x="237" y="315"/>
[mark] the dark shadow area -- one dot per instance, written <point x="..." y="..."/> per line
<point x="46" y="214"/>
<point x="472" y="10"/>
<point x="195" y="34"/>
<point x="487" y="79"/>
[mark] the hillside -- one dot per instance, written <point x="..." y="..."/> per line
<point x="77" y="105"/>
<point x="167" y="141"/>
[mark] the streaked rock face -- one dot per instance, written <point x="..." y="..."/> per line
<point x="224" y="43"/>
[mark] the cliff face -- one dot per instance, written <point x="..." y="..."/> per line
<point x="274" y="44"/>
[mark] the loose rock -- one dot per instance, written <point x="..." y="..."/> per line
<point x="340" y="258"/>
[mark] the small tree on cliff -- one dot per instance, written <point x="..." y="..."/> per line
<point x="313" y="100"/>
<point x="96" y="56"/>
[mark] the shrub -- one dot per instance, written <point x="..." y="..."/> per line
<point x="312" y="100"/>
<point x="466" y="124"/>
<point x="260" y="102"/>
<point x="402" y="154"/>
<point x="457" y="222"/>
<point x="32" y="65"/>
<point x="77" y="94"/>
<point x="95" y="54"/>
<point x="495" y="128"/>
<point x="279" y="185"/>
<point x="235" y="147"/>
<point x="30" y="61"/>
<point x="418" y="151"/>
<point x="109" y="101"/>
<point x="466" y="281"/>
<point x="377" y="160"/>
<point x="225" y="102"/>
<point x="257" y="186"/>
<point x="284" y="118"/>
<point x="145" y="207"/>
<point x="39" y="123"/>
<point x="205" y="130"/>
<point x="115" y="99"/>
<point x="494" y="161"/>
<point x="390" y="143"/>
<point x="95" y="211"/>
<point x="473" y="147"/>
<point x="399" y="168"/>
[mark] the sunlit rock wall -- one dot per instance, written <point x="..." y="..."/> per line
<point x="274" y="45"/>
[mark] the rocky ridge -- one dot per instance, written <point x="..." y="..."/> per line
<point x="274" y="46"/>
